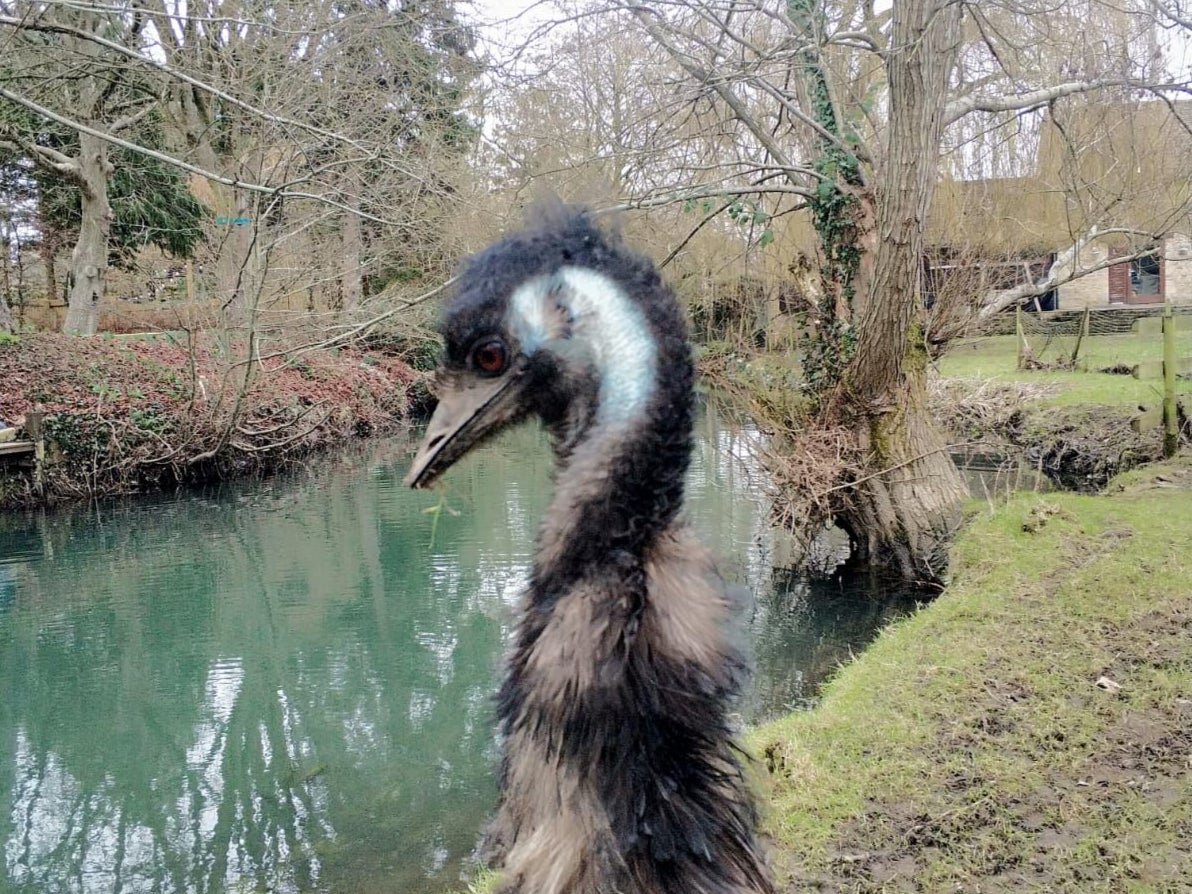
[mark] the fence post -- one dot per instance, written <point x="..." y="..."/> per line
<point x="1081" y="336"/>
<point x="35" y="431"/>
<point x="1019" y="332"/>
<point x="1171" y="422"/>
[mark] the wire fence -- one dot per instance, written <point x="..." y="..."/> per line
<point x="1119" y="340"/>
<point x="1156" y="349"/>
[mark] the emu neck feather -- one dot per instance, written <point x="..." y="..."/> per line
<point x="620" y="477"/>
<point x="603" y="316"/>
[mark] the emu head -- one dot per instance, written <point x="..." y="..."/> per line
<point x="551" y="323"/>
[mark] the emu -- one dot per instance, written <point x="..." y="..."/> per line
<point x="619" y="772"/>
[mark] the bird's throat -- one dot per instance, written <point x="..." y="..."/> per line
<point x="619" y="484"/>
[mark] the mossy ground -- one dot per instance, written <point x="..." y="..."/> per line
<point x="971" y="747"/>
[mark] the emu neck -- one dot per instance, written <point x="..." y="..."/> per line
<point x="620" y="479"/>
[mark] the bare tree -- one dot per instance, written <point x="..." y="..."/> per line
<point x="850" y="108"/>
<point x="322" y="136"/>
<point x="1112" y="179"/>
<point x="354" y="103"/>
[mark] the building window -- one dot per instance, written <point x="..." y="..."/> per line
<point x="1140" y="281"/>
<point x="1144" y="277"/>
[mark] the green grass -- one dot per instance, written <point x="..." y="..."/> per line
<point x="770" y="379"/>
<point x="970" y="749"/>
<point x="995" y="358"/>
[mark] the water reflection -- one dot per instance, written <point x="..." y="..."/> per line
<point x="286" y="686"/>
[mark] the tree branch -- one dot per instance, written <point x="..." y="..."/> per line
<point x="1067" y="259"/>
<point x="859" y="151"/>
<point x="696" y="195"/>
<point x="19" y="23"/>
<point x="43" y="156"/>
<point x="132" y="118"/>
<point x="277" y="191"/>
<point x="645" y="15"/>
<point x="1174" y="13"/>
<point x="1033" y="99"/>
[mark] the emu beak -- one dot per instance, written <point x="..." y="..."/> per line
<point x="464" y="417"/>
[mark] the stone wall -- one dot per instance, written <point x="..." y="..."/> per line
<point x="1178" y="269"/>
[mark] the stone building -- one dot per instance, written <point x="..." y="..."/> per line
<point x="1110" y="181"/>
<point x="1162" y="275"/>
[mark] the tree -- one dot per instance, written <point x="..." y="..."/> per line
<point x="6" y="321"/>
<point x="581" y="117"/>
<point x="1116" y="173"/>
<point x="850" y="108"/>
<point x="55" y="65"/>
<point x="323" y="136"/>
<point x="151" y="203"/>
<point x="357" y="101"/>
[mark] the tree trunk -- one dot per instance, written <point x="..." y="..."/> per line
<point x="235" y="283"/>
<point x="49" y="258"/>
<point x="6" y="320"/>
<point x="89" y="260"/>
<point x="904" y="515"/>
<point x="351" y="278"/>
<point x="904" y="512"/>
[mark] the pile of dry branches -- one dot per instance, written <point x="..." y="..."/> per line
<point x="982" y="408"/>
<point x="811" y="471"/>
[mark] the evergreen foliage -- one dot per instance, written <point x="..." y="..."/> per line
<point x="151" y="205"/>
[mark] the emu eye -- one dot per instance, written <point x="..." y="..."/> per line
<point x="490" y="357"/>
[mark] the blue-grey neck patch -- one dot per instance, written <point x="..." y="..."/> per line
<point x="605" y="317"/>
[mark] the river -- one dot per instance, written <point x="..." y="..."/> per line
<point x="286" y="685"/>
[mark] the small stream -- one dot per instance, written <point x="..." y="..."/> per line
<point x="285" y="685"/>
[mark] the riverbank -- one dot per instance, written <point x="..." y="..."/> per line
<point x="133" y="414"/>
<point x="1027" y="731"/>
<point x="1079" y="427"/>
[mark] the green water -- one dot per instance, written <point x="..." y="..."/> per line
<point x="285" y="686"/>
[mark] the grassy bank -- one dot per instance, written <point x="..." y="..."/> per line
<point x="138" y="413"/>
<point x="994" y="359"/>
<point x="1028" y="731"/>
<point x="1074" y="426"/>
